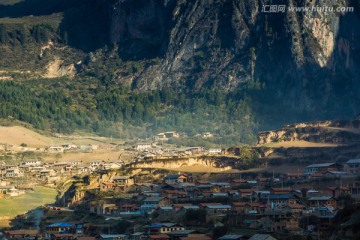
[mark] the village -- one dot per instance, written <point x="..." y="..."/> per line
<point x="107" y="201"/>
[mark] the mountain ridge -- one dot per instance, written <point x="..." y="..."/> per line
<point x="303" y="64"/>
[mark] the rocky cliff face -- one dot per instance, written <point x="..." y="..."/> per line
<point x="302" y="56"/>
<point x="215" y="162"/>
<point x="343" y="138"/>
<point x="341" y="132"/>
<point x="303" y="60"/>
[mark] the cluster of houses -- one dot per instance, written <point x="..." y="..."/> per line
<point x="265" y="204"/>
<point x="164" y="136"/>
<point x="69" y="146"/>
<point x="158" y="231"/>
<point x="152" y="149"/>
<point x="51" y="172"/>
<point x="245" y="203"/>
<point x="52" y="149"/>
<point x="7" y="190"/>
<point x="148" y="150"/>
<point x="332" y="169"/>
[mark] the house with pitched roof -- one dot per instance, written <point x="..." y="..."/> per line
<point x="113" y="237"/>
<point x="150" y="203"/>
<point x="188" y="235"/>
<point x="262" y="237"/>
<point x="22" y="234"/>
<point x="164" y="228"/>
<point x="175" y="178"/>
<point x="58" y="228"/>
<point x="322" y="201"/>
<point x="233" y="237"/>
<point x="352" y="166"/>
<point x="336" y="191"/>
<point x="322" y="168"/>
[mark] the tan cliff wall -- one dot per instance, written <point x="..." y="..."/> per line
<point x="180" y="162"/>
<point x="318" y="132"/>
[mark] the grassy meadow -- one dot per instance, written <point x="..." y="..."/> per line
<point x="11" y="207"/>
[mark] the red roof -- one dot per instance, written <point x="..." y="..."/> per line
<point x="23" y="232"/>
<point x="196" y="238"/>
<point x="245" y="190"/>
<point x="129" y="206"/>
<point x="202" y="182"/>
<point x="239" y="181"/>
<point x="86" y="238"/>
<point x="63" y="235"/>
<point x="209" y="204"/>
<point x="263" y="179"/>
<point x="317" y="175"/>
<point x="175" y="192"/>
<point x="295" y="175"/>
<point x="159" y="236"/>
<point x="281" y="189"/>
<point x="242" y="204"/>
<point x="297" y="206"/>
<point x="177" y="205"/>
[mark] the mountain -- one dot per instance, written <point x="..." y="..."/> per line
<point x="213" y="64"/>
<point x="306" y="60"/>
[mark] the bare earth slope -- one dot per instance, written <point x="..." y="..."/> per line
<point x="16" y="135"/>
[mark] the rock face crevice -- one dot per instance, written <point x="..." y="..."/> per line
<point x="141" y="27"/>
<point x="300" y="56"/>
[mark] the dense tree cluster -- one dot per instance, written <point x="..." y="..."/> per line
<point x="140" y="114"/>
<point x="44" y="109"/>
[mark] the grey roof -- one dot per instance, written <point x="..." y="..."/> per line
<point x="219" y="206"/>
<point x="263" y="192"/>
<point x="170" y="224"/>
<point x="121" y="177"/>
<point x="320" y="198"/>
<point x="337" y="172"/>
<point x="166" y="207"/>
<point x="205" y="186"/>
<point x="137" y="234"/>
<point x="352" y="161"/>
<point x="220" y="183"/>
<point x="191" y="207"/>
<point x="280" y="196"/>
<point x="172" y="176"/>
<point x="230" y="237"/>
<point x="153" y="199"/>
<point x="220" y="194"/>
<point x="181" y="232"/>
<point x="262" y="237"/>
<point x="311" y="191"/>
<point x="321" y="165"/>
<point x="252" y="181"/>
<point x="104" y="236"/>
<point x="186" y="184"/>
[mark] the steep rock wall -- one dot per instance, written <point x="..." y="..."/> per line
<point x="181" y="162"/>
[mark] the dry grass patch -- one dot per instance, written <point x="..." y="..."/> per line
<point x="300" y="144"/>
<point x="16" y="135"/>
